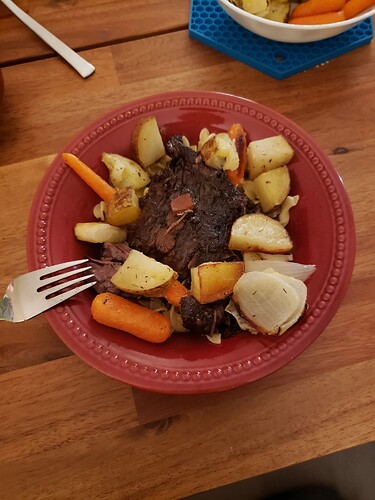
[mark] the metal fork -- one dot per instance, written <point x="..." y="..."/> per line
<point x="83" y="67"/>
<point x="35" y="292"/>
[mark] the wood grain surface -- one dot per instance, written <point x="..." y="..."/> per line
<point x="68" y="431"/>
<point x="86" y="23"/>
<point x="47" y="93"/>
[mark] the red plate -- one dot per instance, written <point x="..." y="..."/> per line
<point x="321" y="227"/>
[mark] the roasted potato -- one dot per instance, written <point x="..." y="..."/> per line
<point x="158" y="166"/>
<point x="142" y="275"/>
<point x="272" y="188"/>
<point x="249" y="189"/>
<point x="147" y="143"/>
<point x="259" y="233"/>
<point x="267" y="154"/>
<point x="99" y="232"/>
<point x="123" y="207"/>
<point x="124" y="172"/>
<point x="278" y="11"/>
<point x="214" y="281"/>
<point x="219" y="151"/>
<point x="257" y="7"/>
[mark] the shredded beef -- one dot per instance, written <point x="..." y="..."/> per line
<point x="113" y="255"/>
<point x="204" y="319"/>
<point x="117" y="252"/>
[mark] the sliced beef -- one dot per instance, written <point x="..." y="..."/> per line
<point x="205" y="319"/>
<point x="198" y="235"/>
<point x="113" y="255"/>
<point x="117" y="252"/>
<point x="103" y="271"/>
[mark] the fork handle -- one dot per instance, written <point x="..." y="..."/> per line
<point x="83" y="67"/>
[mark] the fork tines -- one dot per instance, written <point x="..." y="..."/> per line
<point x="55" y="284"/>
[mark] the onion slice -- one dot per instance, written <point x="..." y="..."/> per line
<point x="270" y="302"/>
<point x="215" y="338"/>
<point x="242" y="322"/>
<point x="289" y="202"/>
<point x="176" y="321"/>
<point x="294" y="269"/>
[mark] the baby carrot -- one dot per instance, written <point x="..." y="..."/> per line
<point x="237" y="133"/>
<point x="175" y="292"/>
<point x="99" y="185"/>
<point x="315" y="7"/>
<point x="112" y="310"/>
<point x="331" y="17"/>
<point x="354" y="7"/>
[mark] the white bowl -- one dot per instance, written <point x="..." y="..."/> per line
<point x="290" y="33"/>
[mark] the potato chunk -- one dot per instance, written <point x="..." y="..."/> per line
<point x="123" y="207"/>
<point x="267" y="154"/>
<point x="214" y="281"/>
<point x="143" y="275"/>
<point x="259" y="233"/>
<point x="258" y="7"/>
<point x="219" y="151"/>
<point x="124" y="172"/>
<point x="278" y="11"/>
<point x="99" y="232"/>
<point x="147" y="143"/>
<point x="272" y="188"/>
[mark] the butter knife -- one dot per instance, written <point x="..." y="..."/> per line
<point x="83" y="67"/>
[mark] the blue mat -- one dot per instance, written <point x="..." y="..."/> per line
<point x="212" y="26"/>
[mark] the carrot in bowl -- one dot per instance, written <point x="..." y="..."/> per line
<point x="355" y="7"/>
<point x="97" y="183"/>
<point x="316" y="7"/>
<point x="112" y="310"/>
<point x="331" y="17"/>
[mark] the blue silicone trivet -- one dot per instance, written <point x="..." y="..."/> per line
<point x="212" y="26"/>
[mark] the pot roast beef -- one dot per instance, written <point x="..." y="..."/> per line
<point x="198" y="233"/>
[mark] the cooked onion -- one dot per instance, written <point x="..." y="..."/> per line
<point x="301" y="290"/>
<point x="249" y="256"/>
<point x="269" y="301"/>
<point x="176" y="321"/>
<point x="290" y="202"/>
<point x="242" y="323"/>
<point x="215" y="338"/>
<point x="276" y="256"/>
<point x="298" y="271"/>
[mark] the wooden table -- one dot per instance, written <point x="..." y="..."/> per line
<point x="66" y="430"/>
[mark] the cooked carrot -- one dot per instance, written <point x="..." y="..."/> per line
<point x="237" y="133"/>
<point x="181" y="204"/>
<point x="331" y="17"/>
<point x="115" y="311"/>
<point x="355" y="7"/>
<point x="175" y="292"/>
<point x="315" y="7"/>
<point x="97" y="183"/>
